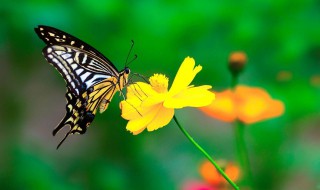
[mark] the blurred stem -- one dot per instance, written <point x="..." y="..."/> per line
<point x="205" y="154"/>
<point x="243" y="152"/>
<point x="234" y="81"/>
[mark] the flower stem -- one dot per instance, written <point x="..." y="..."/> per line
<point x="234" y="82"/>
<point x="205" y="154"/>
<point x="243" y="153"/>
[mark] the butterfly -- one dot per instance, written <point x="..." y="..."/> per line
<point x="91" y="78"/>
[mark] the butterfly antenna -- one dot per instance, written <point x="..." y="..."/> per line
<point x="130" y="50"/>
<point x="134" y="58"/>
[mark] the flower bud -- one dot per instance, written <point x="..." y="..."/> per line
<point x="237" y="61"/>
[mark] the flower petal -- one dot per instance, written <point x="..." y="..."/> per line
<point x="162" y="118"/>
<point x="152" y="100"/>
<point x="192" y="97"/>
<point x="130" y="108"/>
<point x="136" y="95"/>
<point x="138" y="124"/>
<point x="140" y="90"/>
<point x="184" y="76"/>
<point x="255" y="104"/>
<point x="222" y="107"/>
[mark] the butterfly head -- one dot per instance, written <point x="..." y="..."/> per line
<point x="127" y="70"/>
<point x="125" y="74"/>
<point x="123" y="77"/>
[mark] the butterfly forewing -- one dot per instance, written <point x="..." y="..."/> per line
<point x="91" y="78"/>
<point x="53" y="36"/>
<point x="80" y="70"/>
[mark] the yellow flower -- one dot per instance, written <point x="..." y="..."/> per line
<point x="152" y="105"/>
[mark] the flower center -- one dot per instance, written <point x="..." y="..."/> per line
<point x="159" y="83"/>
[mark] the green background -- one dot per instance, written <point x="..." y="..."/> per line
<point x="276" y="35"/>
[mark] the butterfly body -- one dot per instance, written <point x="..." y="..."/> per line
<point x="91" y="78"/>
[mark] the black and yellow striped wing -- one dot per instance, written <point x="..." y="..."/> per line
<point x="91" y="78"/>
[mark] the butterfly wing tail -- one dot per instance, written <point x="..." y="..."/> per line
<point x="71" y="110"/>
<point x="78" y="126"/>
<point x="63" y="124"/>
<point x="65" y="137"/>
<point x="77" y="117"/>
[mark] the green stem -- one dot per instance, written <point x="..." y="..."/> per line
<point x="243" y="152"/>
<point x="205" y="154"/>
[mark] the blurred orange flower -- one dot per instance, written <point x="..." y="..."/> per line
<point x="247" y="104"/>
<point x="213" y="177"/>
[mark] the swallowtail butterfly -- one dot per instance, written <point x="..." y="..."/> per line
<point x="91" y="78"/>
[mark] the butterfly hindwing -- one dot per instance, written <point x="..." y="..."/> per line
<point x="81" y="110"/>
<point x="77" y="117"/>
